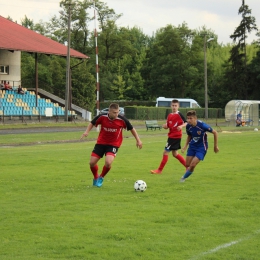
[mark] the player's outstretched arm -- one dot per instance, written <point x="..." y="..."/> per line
<point x="85" y="134"/>
<point x="165" y="126"/>
<point x="139" y="143"/>
<point x="181" y="126"/>
<point x="216" y="149"/>
<point x="186" y="143"/>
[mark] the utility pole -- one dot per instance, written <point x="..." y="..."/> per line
<point x="206" y="75"/>
<point x="96" y="47"/>
<point x="97" y="68"/>
<point x="67" y="92"/>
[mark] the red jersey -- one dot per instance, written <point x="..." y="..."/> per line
<point x="173" y="121"/>
<point x="111" y="130"/>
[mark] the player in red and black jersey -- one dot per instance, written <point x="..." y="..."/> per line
<point x="175" y="123"/>
<point x="109" y="140"/>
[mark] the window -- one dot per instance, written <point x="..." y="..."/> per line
<point x="184" y="104"/>
<point x="4" y="69"/>
<point x="164" y="103"/>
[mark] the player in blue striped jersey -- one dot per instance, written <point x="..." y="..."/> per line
<point x="197" y="142"/>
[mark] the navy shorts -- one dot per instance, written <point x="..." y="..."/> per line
<point x="199" y="152"/>
<point x="101" y="149"/>
<point x="173" y="144"/>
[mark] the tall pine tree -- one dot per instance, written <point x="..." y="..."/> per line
<point x="238" y="73"/>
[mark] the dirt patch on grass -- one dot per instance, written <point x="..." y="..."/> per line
<point x="231" y="132"/>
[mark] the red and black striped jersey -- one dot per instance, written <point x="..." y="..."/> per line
<point x="111" y="129"/>
<point x="173" y="121"/>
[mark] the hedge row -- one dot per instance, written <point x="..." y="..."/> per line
<point x="160" y="113"/>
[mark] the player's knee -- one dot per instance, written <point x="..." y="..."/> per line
<point x="108" y="164"/>
<point x="92" y="164"/>
<point x="165" y="152"/>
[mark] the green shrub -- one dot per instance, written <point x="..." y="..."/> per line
<point x="161" y="113"/>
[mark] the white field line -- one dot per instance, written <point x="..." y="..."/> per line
<point x="216" y="249"/>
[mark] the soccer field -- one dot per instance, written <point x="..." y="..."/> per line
<point x="49" y="209"/>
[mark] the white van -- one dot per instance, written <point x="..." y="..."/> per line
<point x="184" y="102"/>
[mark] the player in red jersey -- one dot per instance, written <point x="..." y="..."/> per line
<point x="109" y="140"/>
<point x="175" y="123"/>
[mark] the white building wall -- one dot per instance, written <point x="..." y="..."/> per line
<point x="13" y="60"/>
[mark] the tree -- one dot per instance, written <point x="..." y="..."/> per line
<point x="131" y="64"/>
<point x="171" y="69"/>
<point x="217" y="58"/>
<point x="238" y="72"/>
<point x="197" y="59"/>
<point x="83" y="86"/>
<point x="254" y="72"/>
<point x="119" y="57"/>
<point x="134" y="66"/>
<point x="28" y="23"/>
<point x="28" y="71"/>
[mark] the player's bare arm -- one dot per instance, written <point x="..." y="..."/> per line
<point x="85" y="134"/>
<point x="186" y="144"/>
<point x="181" y="126"/>
<point x="164" y="126"/>
<point x="139" y="143"/>
<point x="216" y="149"/>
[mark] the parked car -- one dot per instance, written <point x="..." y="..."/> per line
<point x="105" y="110"/>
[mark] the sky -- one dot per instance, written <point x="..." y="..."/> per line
<point x="221" y="16"/>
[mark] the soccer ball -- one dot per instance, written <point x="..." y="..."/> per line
<point x="256" y="129"/>
<point x="140" y="186"/>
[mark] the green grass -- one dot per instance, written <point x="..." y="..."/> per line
<point x="49" y="209"/>
<point x="11" y="124"/>
<point x="7" y="124"/>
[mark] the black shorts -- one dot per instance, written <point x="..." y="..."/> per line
<point x="101" y="149"/>
<point x="173" y="144"/>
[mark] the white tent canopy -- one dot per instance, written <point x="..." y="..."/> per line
<point x="248" y="108"/>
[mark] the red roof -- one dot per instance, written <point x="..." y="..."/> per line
<point x="18" y="38"/>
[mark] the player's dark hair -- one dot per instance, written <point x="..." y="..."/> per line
<point x="175" y="101"/>
<point x="114" y="106"/>
<point x="191" y="113"/>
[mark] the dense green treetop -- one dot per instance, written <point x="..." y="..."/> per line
<point x="135" y="66"/>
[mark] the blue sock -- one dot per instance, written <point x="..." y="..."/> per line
<point x="187" y="174"/>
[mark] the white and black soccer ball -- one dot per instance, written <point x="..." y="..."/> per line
<point x="140" y="186"/>
<point x="256" y="129"/>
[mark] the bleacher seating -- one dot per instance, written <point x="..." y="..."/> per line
<point x="14" y="104"/>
